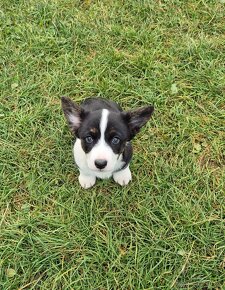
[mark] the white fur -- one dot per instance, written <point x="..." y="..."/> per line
<point x="86" y="181"/>
<point x="122" y="177"/>
<point x="74" y="120"/>
<point x="86" y="162"/>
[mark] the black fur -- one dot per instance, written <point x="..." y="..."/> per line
<point x="94" y="104"/>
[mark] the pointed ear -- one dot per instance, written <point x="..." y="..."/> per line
<point x="73" y="113"/>
<point x="138" y="118"/>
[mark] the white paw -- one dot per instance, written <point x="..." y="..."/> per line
<point x="122" y="177"/>
<point x="86" y="181"/>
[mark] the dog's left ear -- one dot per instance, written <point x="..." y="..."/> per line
<point x="73" y="113"/>
<point x="138" y="118"/>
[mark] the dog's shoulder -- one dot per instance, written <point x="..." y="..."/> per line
<point x="97" y="103"/>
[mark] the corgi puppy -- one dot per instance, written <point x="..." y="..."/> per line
<point x="103" y="134"/>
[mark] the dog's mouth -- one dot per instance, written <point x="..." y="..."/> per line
<point x="102" y="170"/>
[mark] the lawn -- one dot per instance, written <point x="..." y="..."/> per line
<point x="165" y="230"/>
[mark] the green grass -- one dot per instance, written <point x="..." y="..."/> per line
<point x="165" y="230"/>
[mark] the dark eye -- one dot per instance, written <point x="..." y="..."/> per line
<point x="115" y="140"/>
<point x="89" y="139"/>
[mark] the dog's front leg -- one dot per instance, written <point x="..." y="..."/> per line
<point x="86" y="181"/>
<point x="123" y="177"/>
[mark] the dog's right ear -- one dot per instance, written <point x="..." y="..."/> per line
<point x="73" y="113"/>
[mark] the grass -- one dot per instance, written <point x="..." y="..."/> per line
<point x="165" y="230"/>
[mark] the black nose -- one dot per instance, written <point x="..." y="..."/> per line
<point x="100" y="163"/>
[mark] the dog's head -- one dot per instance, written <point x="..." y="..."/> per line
<point x="104" y="133"/>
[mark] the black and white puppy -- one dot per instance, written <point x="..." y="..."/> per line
<point x="103" y="138"/>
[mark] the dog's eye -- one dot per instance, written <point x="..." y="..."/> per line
<point x="115" y="140"/>
<point x="89" y="139"/>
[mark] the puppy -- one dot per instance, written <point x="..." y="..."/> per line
<point x="103" y="138"/>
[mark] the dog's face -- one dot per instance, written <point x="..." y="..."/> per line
<point x="103" y="133"/>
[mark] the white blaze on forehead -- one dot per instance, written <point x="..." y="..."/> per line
<point x="103" y="123"/>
